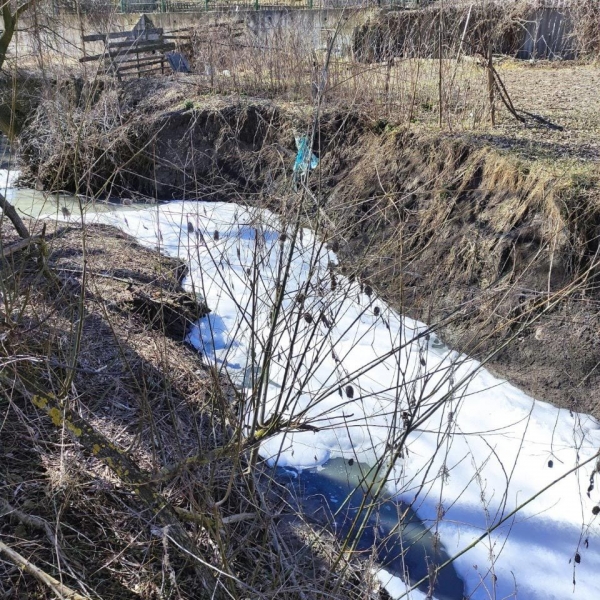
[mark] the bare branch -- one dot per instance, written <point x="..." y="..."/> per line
<point x="60" y="589"/>
<point x="9" y="210"/>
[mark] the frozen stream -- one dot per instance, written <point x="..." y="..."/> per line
<point x="347" y="373"/>
<point x="30" y="204"/>
<point x="346" y="364"/>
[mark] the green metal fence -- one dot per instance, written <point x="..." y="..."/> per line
<point x="149" y="6"/>
<point x="179" y="6"/>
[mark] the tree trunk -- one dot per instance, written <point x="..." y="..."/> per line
<point x="8" y="122"/>
<point x="10" y="125"/>
<point x="10" y="24"/>
<point x="9" y="210"/>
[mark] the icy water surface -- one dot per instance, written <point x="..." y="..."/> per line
<point x="338" y="494"/>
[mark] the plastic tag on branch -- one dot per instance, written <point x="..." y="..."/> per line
<point x="305" y="159"/>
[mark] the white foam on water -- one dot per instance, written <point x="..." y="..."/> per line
<point x="483" y="452"/>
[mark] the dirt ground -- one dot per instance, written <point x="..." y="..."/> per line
<point x="63" y="508"/>
<point x="562" y="94"/>
<point x="500" y="253"/>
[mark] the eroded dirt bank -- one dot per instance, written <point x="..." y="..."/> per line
<point x="449" y="228"/>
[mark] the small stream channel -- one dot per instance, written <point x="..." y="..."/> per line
<point x="33" y="204"/>
<point x="337" y="494"/>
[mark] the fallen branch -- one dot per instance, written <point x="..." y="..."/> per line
<point x="55" y="538"/>
<point x="60" y="589"/>
<point x="6" y="509"/>
<point x="194" y="517"/>
<point x="20" y="245"/>
<point x="25" y="242"/>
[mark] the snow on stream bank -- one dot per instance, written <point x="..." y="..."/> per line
<point x="7" y="180"/>
<point x="354" y="369"/>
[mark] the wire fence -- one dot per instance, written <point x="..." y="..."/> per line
<point x="149" y="6"/>
<point x="179" y="6"/>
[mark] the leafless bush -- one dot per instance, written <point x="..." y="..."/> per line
<point x="586" y="29"/>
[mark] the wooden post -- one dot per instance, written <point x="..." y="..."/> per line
<point x="491" y="84"/>
<point x="386" y="93"/>
<point x="440" y="74"/>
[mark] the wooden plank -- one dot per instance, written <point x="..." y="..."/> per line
<point x="91" y="58"/>
<point x="155" y="61"/>
<point x="135" y="60"/>
<point x="101" y="37"/>
<point x="133" y="43"/>
<point x="115" y="35"/>
<point x="161" y="47"/>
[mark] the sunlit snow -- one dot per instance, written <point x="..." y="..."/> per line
<point x="7" y="180"/>
<point x="485" y="450"/>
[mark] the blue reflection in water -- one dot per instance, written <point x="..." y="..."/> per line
<point x="333" y="496"/>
